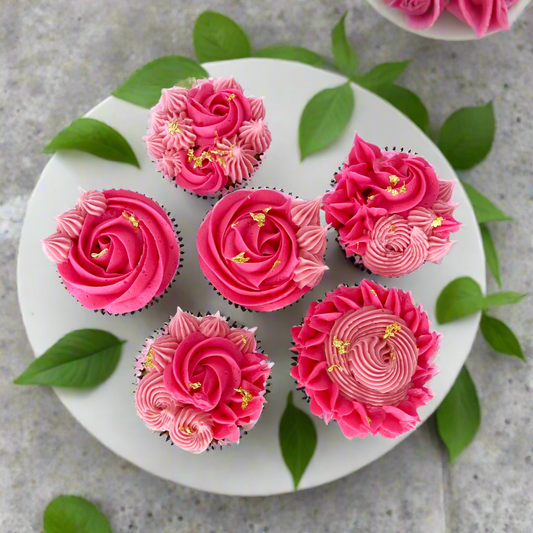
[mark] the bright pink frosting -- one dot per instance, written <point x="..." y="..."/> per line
<point x="208" y="138"/>
<point x="201" y="381"/>
<point x="262" y="249"/>
<point x="391" y="210"/>
<point x="116" y="251"/>
<point x="365" y="355"/>
<point x="421" y="14"/>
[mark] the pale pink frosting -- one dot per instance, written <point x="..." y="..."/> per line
<point x="203" y="387"/>
<point x="313" y="239"/>
<point x="386" y="206"/>
<point x="306" y="212"/>
<point x="70" y="222"/>
<point x="248" y="249"/>
<point x="365" y="355"/>
<point x="421" y="14"/>
<point x="125" y="254"/>
<point x="209" y="137"/>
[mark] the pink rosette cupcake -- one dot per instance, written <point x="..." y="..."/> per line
<point x="116" y="251"/>
<point x="208" y="138"/>
<point x="201" y="382"/>
<point x="262" y="249"/>
<point x="391" y="211"/>
<point x="365" y="355"/>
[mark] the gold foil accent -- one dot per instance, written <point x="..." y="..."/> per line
<point x="394" y="192"/>
<point x="437" y="222"/>
<point x="393" y="356"/>
<point x="131" y="218"/>
<point x="187" y="430"/>
<point x="231" y="97"/>
<point x="373" y="292"/>
<point x="392" y="227"/>
<point x="239" y="258"/>
<point x="334" y="366"/>
<point x="246" y="397"/>
<point x="394" y="180"/>
<point x="259" y="218"/>
<point x="276" y="263"/>
<point x="195" y="385"/>
<point x="208" y="155"/>
<point x="100" y="254"/>
<point x="244" y="340"/>
<point x="149" y="361"/>
<point x="267" y="209"/>
<point x="371" y="197"/>
<point x="403" y="189"/>
<point x="173" y="127"/>
<point x="369" y="420"/>
<point x="340" y="345"/>
<point x="234" y="224"/>
<point x="390" y="330"/>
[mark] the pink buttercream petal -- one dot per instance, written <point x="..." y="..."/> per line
<point x="57" y="247"/>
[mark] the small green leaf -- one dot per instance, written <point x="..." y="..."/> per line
<point x="96" y="138"/>
<point x="459" y="415"/>
<point x="500" y="337"/>
<point x="502" y="298"/>
<point x="81" y="359"/>
<point x="72" y="514"/>
<point x="144" y="86"/>
<point x="297" y="439"/>
<point x="491" y="254"/>
<point x="407" y="102"/>
<point x="344" y="55"/>
<point x="466" y="136"/>
<point x="484" y="209"/>
<point x="383" y="74"/>
<point x="217" y="37"/>
<point x="461" y="297"/>
<point x="291" y="53"/>
<point x="324" y="118"/>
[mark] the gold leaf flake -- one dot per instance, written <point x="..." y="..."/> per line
<point x="246" y="397"/>
<point x="334" y="366"/>
<point x="239" y="258"/>
<point x="195" y="385"/>
<point x="394" y="180"/>
<point x="340" y="345"/>
<point x="259" y="218"/>
<point x="437" y="222"/>
<point x="187" y="430"/>
<point x="149" y="361"/>
<point x="276" y="263"/>
<point x="390" y="330"/>
<point x="243" y="339"/>
<point x="173" y="127"/>
<point x="100" y="254"/>
<point x="392" y="227"/>
<point x="131" y="218"/>
<point x="231" y="97"/>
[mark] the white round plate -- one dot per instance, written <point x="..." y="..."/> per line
<point x="255" y="467"/>
<point x="447" y="27"/>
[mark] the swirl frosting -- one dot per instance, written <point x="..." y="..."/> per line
<point x="209" y="137"/>
<point x="262" y="249"/>
<point x="391" y="211"/>
<point x="365" y="355"/>
<point x="115" y="251"/>
<point x="201" y="383"/>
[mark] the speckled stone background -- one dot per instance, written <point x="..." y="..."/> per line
<point x="57" y="60"/>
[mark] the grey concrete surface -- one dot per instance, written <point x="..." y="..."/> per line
<point x="57" y="60"/>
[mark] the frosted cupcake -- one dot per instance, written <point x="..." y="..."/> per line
<point x="262" y="249"/>
<point x="391" y="211"/>
<point x="116" y="251"/>
<point x="201" y="382"/>
<point x="208" y="138"/>
<point x="365" y="355"/>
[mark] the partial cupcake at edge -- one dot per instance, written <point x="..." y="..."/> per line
<point x="262" y="249"/>
<point x="209" y="138"/>
<point x="201" y="383"/>
<point x="364" y="357"/>
<point x="116" y="251"/>
<point x="391" y="211"/>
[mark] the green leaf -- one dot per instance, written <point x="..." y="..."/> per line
<point x="500" y="337"/>
<point x="407" y="102"/>
<point x="96" y="138"/>
<point x="297" y="439"/>
<point x="459" y="415"/>
<point x="466" y="136"/>
<point x="484" y="209"/>
<point x="72" y="514"/>
<point x="502" y="298"/>
<point x="461" y="297"/>
<point x="217" y="37"/>
<point x="324" y="118"/>
<point x="343" y="54"/>
<point x="491" y="254"/>
<point x="81" y="359"/>
<point x="144" y="86"/>
<point x="383" y="74"/>
<point x="291" y="53"/>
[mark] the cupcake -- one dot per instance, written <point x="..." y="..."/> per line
<point x="262" y="249"/>
<point x="208" y="138"/>
<point x="116" y="250"/>
<point x="365" y="355"/>
<point x="391" y="211"/>
<point x="200" y="381"/>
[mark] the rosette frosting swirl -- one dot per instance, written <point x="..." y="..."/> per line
<point x="116" y="251"/>
<point x="391" y="211"/>
<point x="365" y="355"/>
<point x="253" y="251"/>
<point x="209" y="137"/>
<point x="201" y="381"/>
